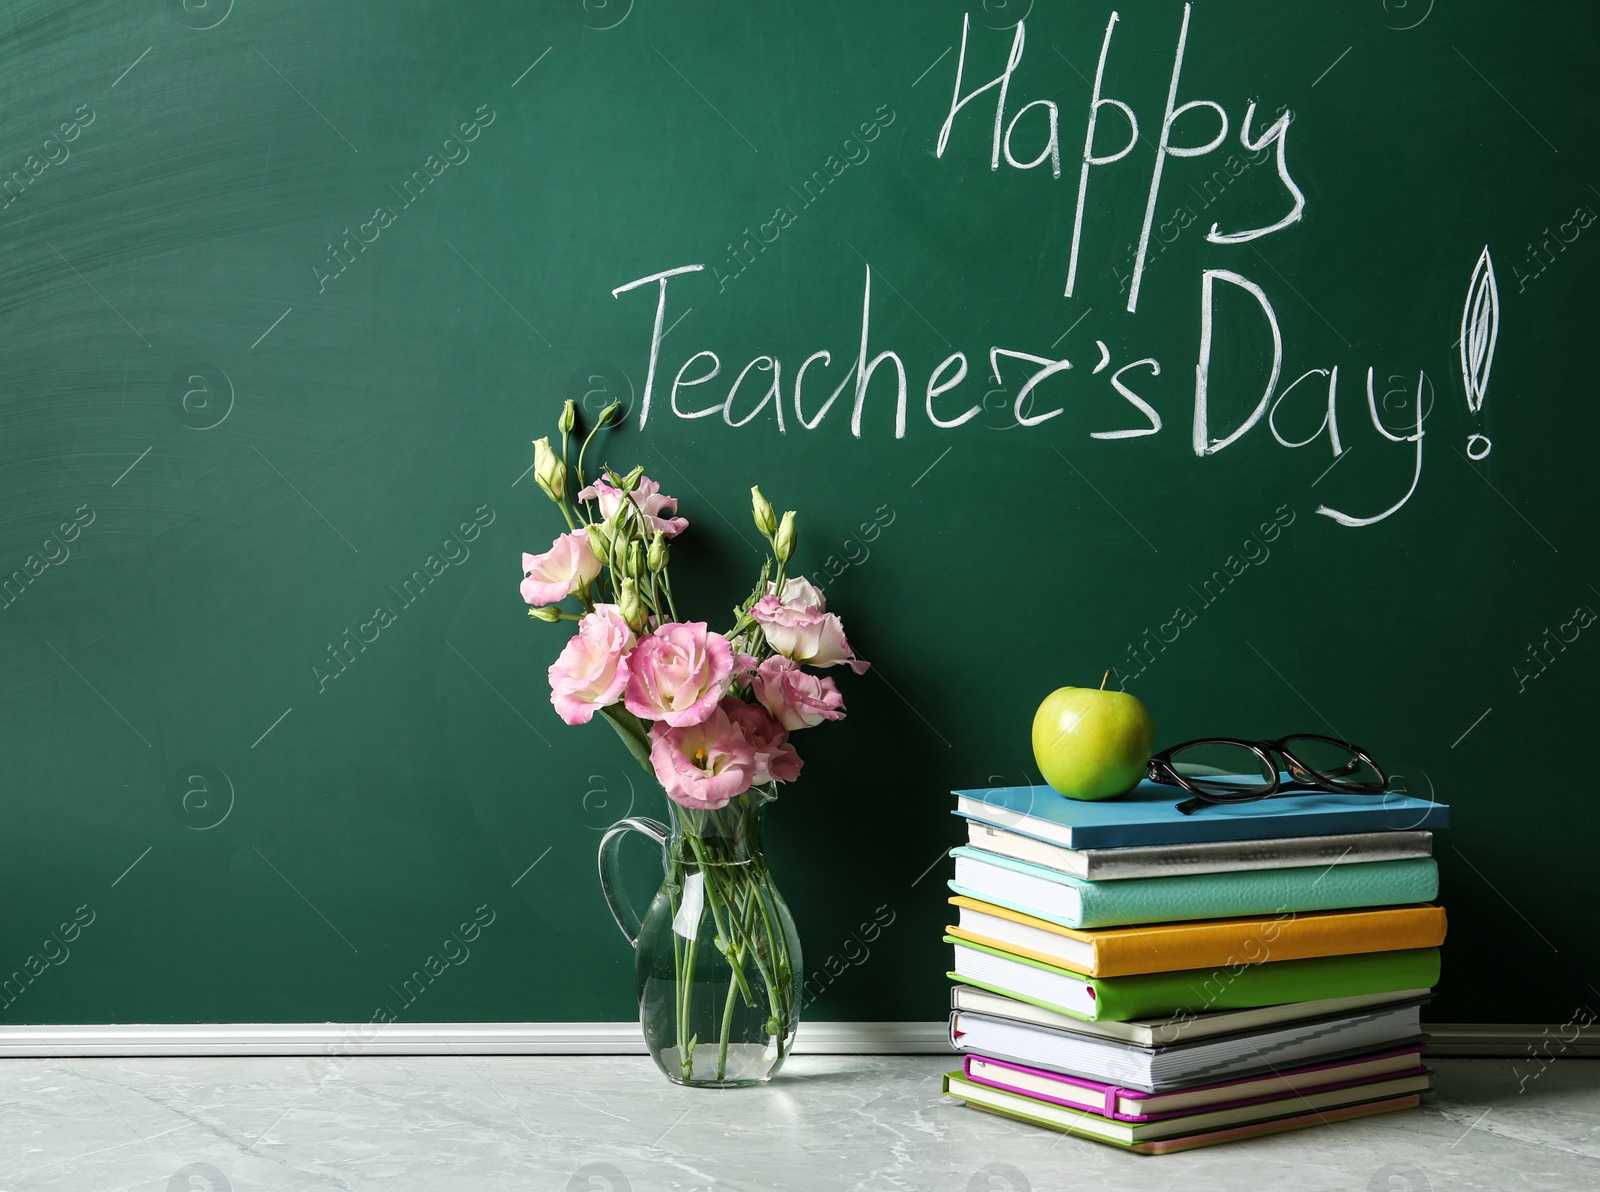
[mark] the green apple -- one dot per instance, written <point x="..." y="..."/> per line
<point x="1092" y="744"/>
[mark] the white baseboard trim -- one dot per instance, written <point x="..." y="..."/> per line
<point x="432" y="1038"/>
<point x="622" y="1038"/>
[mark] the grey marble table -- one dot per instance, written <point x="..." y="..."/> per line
<point x="612" y="1123"/>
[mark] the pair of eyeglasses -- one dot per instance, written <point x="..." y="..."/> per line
<point x="1225" y="770"/>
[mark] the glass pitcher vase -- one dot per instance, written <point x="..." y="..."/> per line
<point x="717" y="960"/>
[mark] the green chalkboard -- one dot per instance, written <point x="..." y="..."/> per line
<point x="288" y="288"/>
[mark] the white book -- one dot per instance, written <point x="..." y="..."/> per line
<point x="1070" y="992"/>
<point x="1164" y="1068"/>
<point x="1063" y="949"/>
<point x="1168" y="1032"/>
<point x="1053" y="900"/>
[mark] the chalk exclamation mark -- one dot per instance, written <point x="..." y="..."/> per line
<point x="1480" y="327"/>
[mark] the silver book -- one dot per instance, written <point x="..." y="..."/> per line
<point x="1214" y="856"/>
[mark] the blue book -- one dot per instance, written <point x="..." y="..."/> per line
<point x="1148" y="815"/>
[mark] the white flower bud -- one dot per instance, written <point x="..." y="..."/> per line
<point x="548" y="470"/>
<point x="783" y="542"/>
<point x="761" y="509"/>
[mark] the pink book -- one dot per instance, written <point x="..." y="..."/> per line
<point x="1132" y="1105"/>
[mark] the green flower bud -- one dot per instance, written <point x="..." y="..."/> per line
<point x="635" y="558"/>
<point x="599" y="540"/>
<point x="605" y="414"/>
<point x="783" y="542"/>
<point x="548" y="470"/>
<point x="632" y="478"/>
<point x="631" y="605"/>
<point x="569" y="417"/>
<point x="658" y="551"/>
<point x="548" y="613"/>
<point x="761" y="509"/>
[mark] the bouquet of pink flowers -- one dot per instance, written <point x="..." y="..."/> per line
<point x="710" y="715"/>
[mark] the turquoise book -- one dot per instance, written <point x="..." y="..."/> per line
<point x="1073" y="902"/>
<point x="1149" y="815"/>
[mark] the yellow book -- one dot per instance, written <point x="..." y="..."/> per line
<point x="1204" y="943"/>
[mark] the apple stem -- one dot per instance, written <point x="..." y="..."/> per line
<point x="1103" y="680"/>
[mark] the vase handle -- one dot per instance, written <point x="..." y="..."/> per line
<point x="622" y="911"/>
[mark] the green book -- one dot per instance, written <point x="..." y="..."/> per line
<point x="1192" y="991"/>
<point x="1073" y="902"/>
<point x="1193" y="1130"/>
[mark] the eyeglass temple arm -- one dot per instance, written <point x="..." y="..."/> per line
<point x="1162" y="772"/>
<point x="1303" y="773"/>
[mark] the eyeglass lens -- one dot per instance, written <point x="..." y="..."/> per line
<point x="1333" y="763"/>
<point x="1223" y="770"/>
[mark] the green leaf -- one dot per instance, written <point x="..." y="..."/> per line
<point x="633" y="733"/>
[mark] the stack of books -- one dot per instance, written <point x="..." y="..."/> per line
<point x="1163" y="982"/>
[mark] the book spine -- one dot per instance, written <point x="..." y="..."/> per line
<point x="1265" y="892"/>
<point x="1284" y="1095"/>
<point x="1065" y="1091"/>
<point x="1198" y="829"/>
<point x="1325" y="1117"/>
<point x="1198" y="991"/>
<point x="1121" y="864"/>
<point x="1287" y="936"/>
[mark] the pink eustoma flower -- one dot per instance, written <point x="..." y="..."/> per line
<point x="678" y="673"/>
<point x="775" y="758"/>
<point x="798" y="626"/>
<point x="646" y="496"/>
<point x="553" y="576"/>
<point x="796" y="699"/>
<point x="702" y="766"/>
<point x="592" y="670"/>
